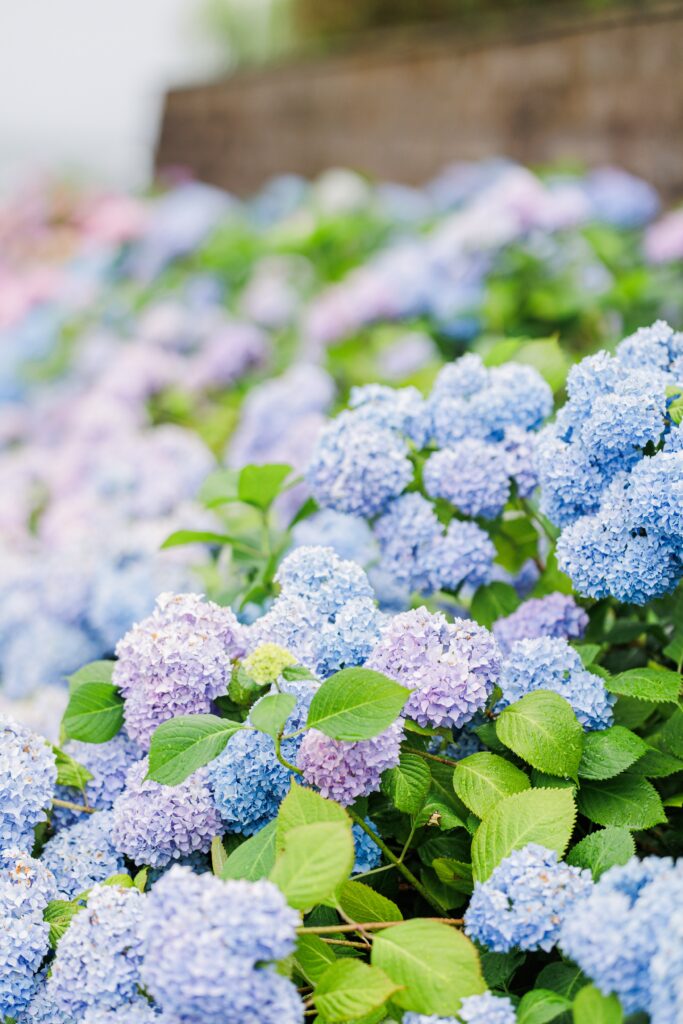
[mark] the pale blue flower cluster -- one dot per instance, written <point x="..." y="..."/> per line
<point x="350" y="537"/>
<point x="483" y="1009"/>
<point x="137" y="1012"/>
<point x="176" y="661"/>
<point x="611" y="470"/>
<point x="367" y="853"/>
<point x="451" y="668"/>
<point x="98" y="959"/>
<point x="108" y="764"/>
<point x="555" y="615"/>
<point x="525" y="901"/>
<point x="28" y="774"/>
<point x="247" y="780"/>
<point x="154" y="824"/>
<point x="82" y="855"/>
<point x="26" y="888"/>
<point x="325" y="614"/>
<point x="549" y="663"/>
<point x="206" y="947"/>
<point x="344" y="771"/>
<point x="625" y="935"/>
<point x="472" y="475"/>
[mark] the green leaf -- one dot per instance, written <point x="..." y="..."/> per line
<point x="541" y="1006"/>
<point x="350" y="989"/>
<point x="182" y="745"/>
<point x="219" y="856"/>
<point x="542" y="729"/>
<point x="255" y="858"/>
<point x="442" y="808"/>
<point x="602" y="850"/>
<point x="94" y="672"/>
<point x="312" y="957"/>
<point x="656" y="764"/>
<point x="408" y="783"/>
<point x="59" y="914"/>
<point x="271" y="713"/>
<point x="69" y="772"/>
<point x="562" y="978"/>
<point x="492" y="602"/>
<point x="260" y="485"/>
<point x="655" y="684"/>
<point x="361" y="903"/>
<point x="670" y="736"/>
<point x="140" y="879"/>
<point x="481" y="780"/>
<point x="122" y="881"/>
<point x="609" y="752"/>
<point x="242" y="689"/>
<point x="435" y="965"/>
<point x="499" y="968"/>
<point x="356" y="704"/>
<point x="588" y="652"/>
<point x="315" y="861"/>
<point x="455" y="873"/>
<point x="94" y="713"/>
<point x="182" y="537"/>
<point x="543" y="816"/>
<point x="591" y="1007"/>
<point x="219" y="488"/>
<point x="626" y="802"/>
<point x="304" y="806"/>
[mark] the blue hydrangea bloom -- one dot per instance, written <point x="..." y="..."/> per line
<point x="407" y="533"/>
<point x="108" y="764"/>
<point x="357" y="466"/>
<point x="26" y="888"/>
<point x="666" y="967"/>
<point x="525" y="900"/>
<point x="549" y="663"/>
<point x="247" y="780"/>
<point x="555" y="615"/>
<point x="451" y="668"/>
<point x="317" y="574"/>
<point x="487" y="1009"/>
<point x="400" y="409"/>
<point x="462" y="557"/>
<point x="346" y="771"/>
<point x="203" y="939"/>
<point x="470" y="474"/>
<point x="137" y="1012"/>
<point x="44" y="650"/>
<point x="154" y="824"/>
<point x="28" y="774"/>
<point x="41" y="1009"/>
<point x="349" y="537"/>
<point x="98" y="959"/>
<point x="82" y="854"/>
<point x="368" y="854"/>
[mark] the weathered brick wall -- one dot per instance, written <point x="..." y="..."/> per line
<point x="608" y="90"/>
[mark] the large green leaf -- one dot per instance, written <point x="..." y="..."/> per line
<point x="657" y="764"/>
<point x="435" y="966"/>
<point x="609" y="752"/>
<point x="93" y="672"/>
<point x="315" y="861"/>
<point x="361" y="903"/>
<point x="542" y="729"/>
<point x="408" y="783"/>
<point x="481" y="780"/>
<point x="543" y="816"/>
<point x="260" y="485"/>
<point x="493" y="601"/>
<point x="591" y="1007"/>
<point x="94" y="713"/>
<point x="655" y="684"/>
<point x="271" y="713"/>
<point x="602" y="850"/>
<point x="349" y="989"/>
<point x="625" y="802"/>
<point x="254" y="858"/>
<point x="182" y="745"/>
<point x="304" y="806"/>
<point x="541" y="1006"/>
<point x="312" y="957"/>
<point x="356" y="704"/>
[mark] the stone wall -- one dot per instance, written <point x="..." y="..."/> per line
<point x="604" y="90"/>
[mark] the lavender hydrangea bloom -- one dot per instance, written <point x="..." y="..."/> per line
<point x="28" y="774"/>
<point x="451" y="668"/>
<point x="525" y="901"/>
<point x="548" y="663"/>
<point x="613" y="934"/>
<point x="108" y="764"/>
<point x="202" y="941"/>
<point x="154" y="824"/>
<point x="176" y="661"/>
<point x="555" y="615"/>
<point x="247" y="780"/>
<point x="99" y="957"/>
<point x="357" y="466"/>
<point x="82" y="855"/>
<point x="472" y="475"/>
<point x="346" y="771"/>
<point x="26" y="887"/>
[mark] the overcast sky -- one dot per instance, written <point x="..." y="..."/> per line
<point x="82" y="81"/>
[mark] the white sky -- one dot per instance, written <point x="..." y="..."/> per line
<point x="82" y="81"/>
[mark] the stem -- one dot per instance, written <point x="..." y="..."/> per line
<point x="370" y="926"/>
<point x="407" y="874"/>
<point x="79" y="808"/>
<point x="282" y="759"/>
<point x="431" y="757"/>
<point x="345" y="942"/>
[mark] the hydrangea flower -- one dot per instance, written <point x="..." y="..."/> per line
<point x="247" y="780"/>
<point x="97" y="963"/>
<point x="367" y="853"/>
<point x="26" y="888"/>
<point x="266" y="662"/>
<point x="28" y="774"/>
<point x="487" y="1009"/>
<point x="346" y="771"/>
<point x="176" y="661"/>
<point x="400" y="409"/>
<point x="202" y="941"/>
<point x="547" y="663"/>
<point x="451" y="668"/>
<point x="525" y="901"/>
<point x="82" y="854"/>
<point x="555" y="615"/>
<point x="137" y="1012"/>
<point x="154" y="824"/>
<point x="472" y="475"/>
<point x="350" y="537"/>
<point x="108" y="764"/>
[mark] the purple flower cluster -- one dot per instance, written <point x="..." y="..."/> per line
<point x="555" y="615"/>
<point x="108" y="764"/>
<point x="344" y="771"/>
